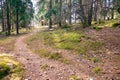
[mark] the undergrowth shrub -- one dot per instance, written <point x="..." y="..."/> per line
<point x="4" y="70"/>
<point x="97" y="27"/>
<point x="116" y="25"/>
<point x="66" y="26"/>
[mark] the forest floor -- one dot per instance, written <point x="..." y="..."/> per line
<point x="71" y="66"/>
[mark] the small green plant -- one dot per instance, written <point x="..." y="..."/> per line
<point x="4" y="70"/>
<point x="65" y="45"/>
<point x="65" y="61"/>
<point x="74" y="77"/>
<point x="85" y="24"/>
<point x="101" y="21"/>
<point x="116" y="25"/>
<point x="96" y="45"/>
<point x="44" y="67"/>
<point x="94" y="60"/>
<point x="97" y="70"/>
<point x="66" y="26"/>
<point x="42" y="52"/>
<point x="97" y="28"/>
<point x="48" y="54"/>
<point x="55" y="56"/>
<point x="81" y="50"/>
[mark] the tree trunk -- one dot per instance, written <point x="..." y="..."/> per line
<point x="112" y="10"/>
<point x="105" y="6"/>
<point x="112" y="13"/>
<point x="8" y="19"/>
<point x="82" y="15"/>
<point x="95" y="11"/>
<point x="50" y="19"/>
<point x="70" y="13"/>
<point x="17" y="25"/>
<point x="90" y="12"/>
<point x="3" y="27"/>
<point x="60" y="14"/>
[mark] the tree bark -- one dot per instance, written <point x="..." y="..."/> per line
<point x="8" y="19"/>
<point x="82" y="15"/>
<point x="60" y="14"/>
<point x="90" y="12"/>
<point x="3" y="27"/>
<point x="96" y="11"/>
<point x="17" y="25"/>
<point x="50" y="19"/>
<point x="70" y="13"/>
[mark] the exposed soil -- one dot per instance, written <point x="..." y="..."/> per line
<point x="110" y="57"/>
<point x="79" y="66"/>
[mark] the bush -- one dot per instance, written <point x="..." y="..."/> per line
<point x="4" y="70"/>
<point x="116" y="25"/>
<point x="85" y="24"/>
<point x="96" y="70"/>
<point x="94" y="60"/>
<point x="66" y="26"/>
<point x="74" y="77"/>
<point x="101" y="22"/>
<point x="55" y="56"/>
<point x="97" y="27"/>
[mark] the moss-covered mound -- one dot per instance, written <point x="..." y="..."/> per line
<point x="10" y="69"/>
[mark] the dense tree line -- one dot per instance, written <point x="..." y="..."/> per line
<point x="84" y="11"/>
<point x="15" y="14"/>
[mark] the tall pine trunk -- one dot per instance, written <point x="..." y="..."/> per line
<point x="90" y="12"/>
<point x="3" y="27"/>
<point x="70" y="12"/>
<point x="82" y="15"/>
<point x="8" y="19"/>
<point x="50" y="19"/>
<point x="96" y="11"/>
<point x="60" y="14"/>
<point x="17" y="25"/>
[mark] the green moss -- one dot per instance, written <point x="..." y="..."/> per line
<point x="116" y="25"/>
<point x="10" y="67"/>
<point x="96" y="45"/>
<point x="4" y="70"/>
<point x="94" y="60"/>
<point x="97" y="27"/>
<point x="66" y="26"/>
<point x="5" y="41"/>
<point x="103" y="24"/>
<point x="65" y="61"/>
<point x="73" y="77"/>
<point x="44" y="67"/>
<point x="42" y="52"/>
<point x="65" y="45"/>
<point x="55" y="56"/>
<point x="48" y="54"/>
<point x="72" y="36"/>
<point x="97" y="70"/>
<point x="62" y="39"/>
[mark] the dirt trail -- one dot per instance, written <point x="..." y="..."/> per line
<point x="33" y="63"/>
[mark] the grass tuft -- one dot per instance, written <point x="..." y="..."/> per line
<point x="97" y="70"/>
<point x="4" y="70"/>
<point x="73" y="77"/>
<point x="94" y="60"/>
<point x="44" y="67"/>
<point x="116" y="25"/>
